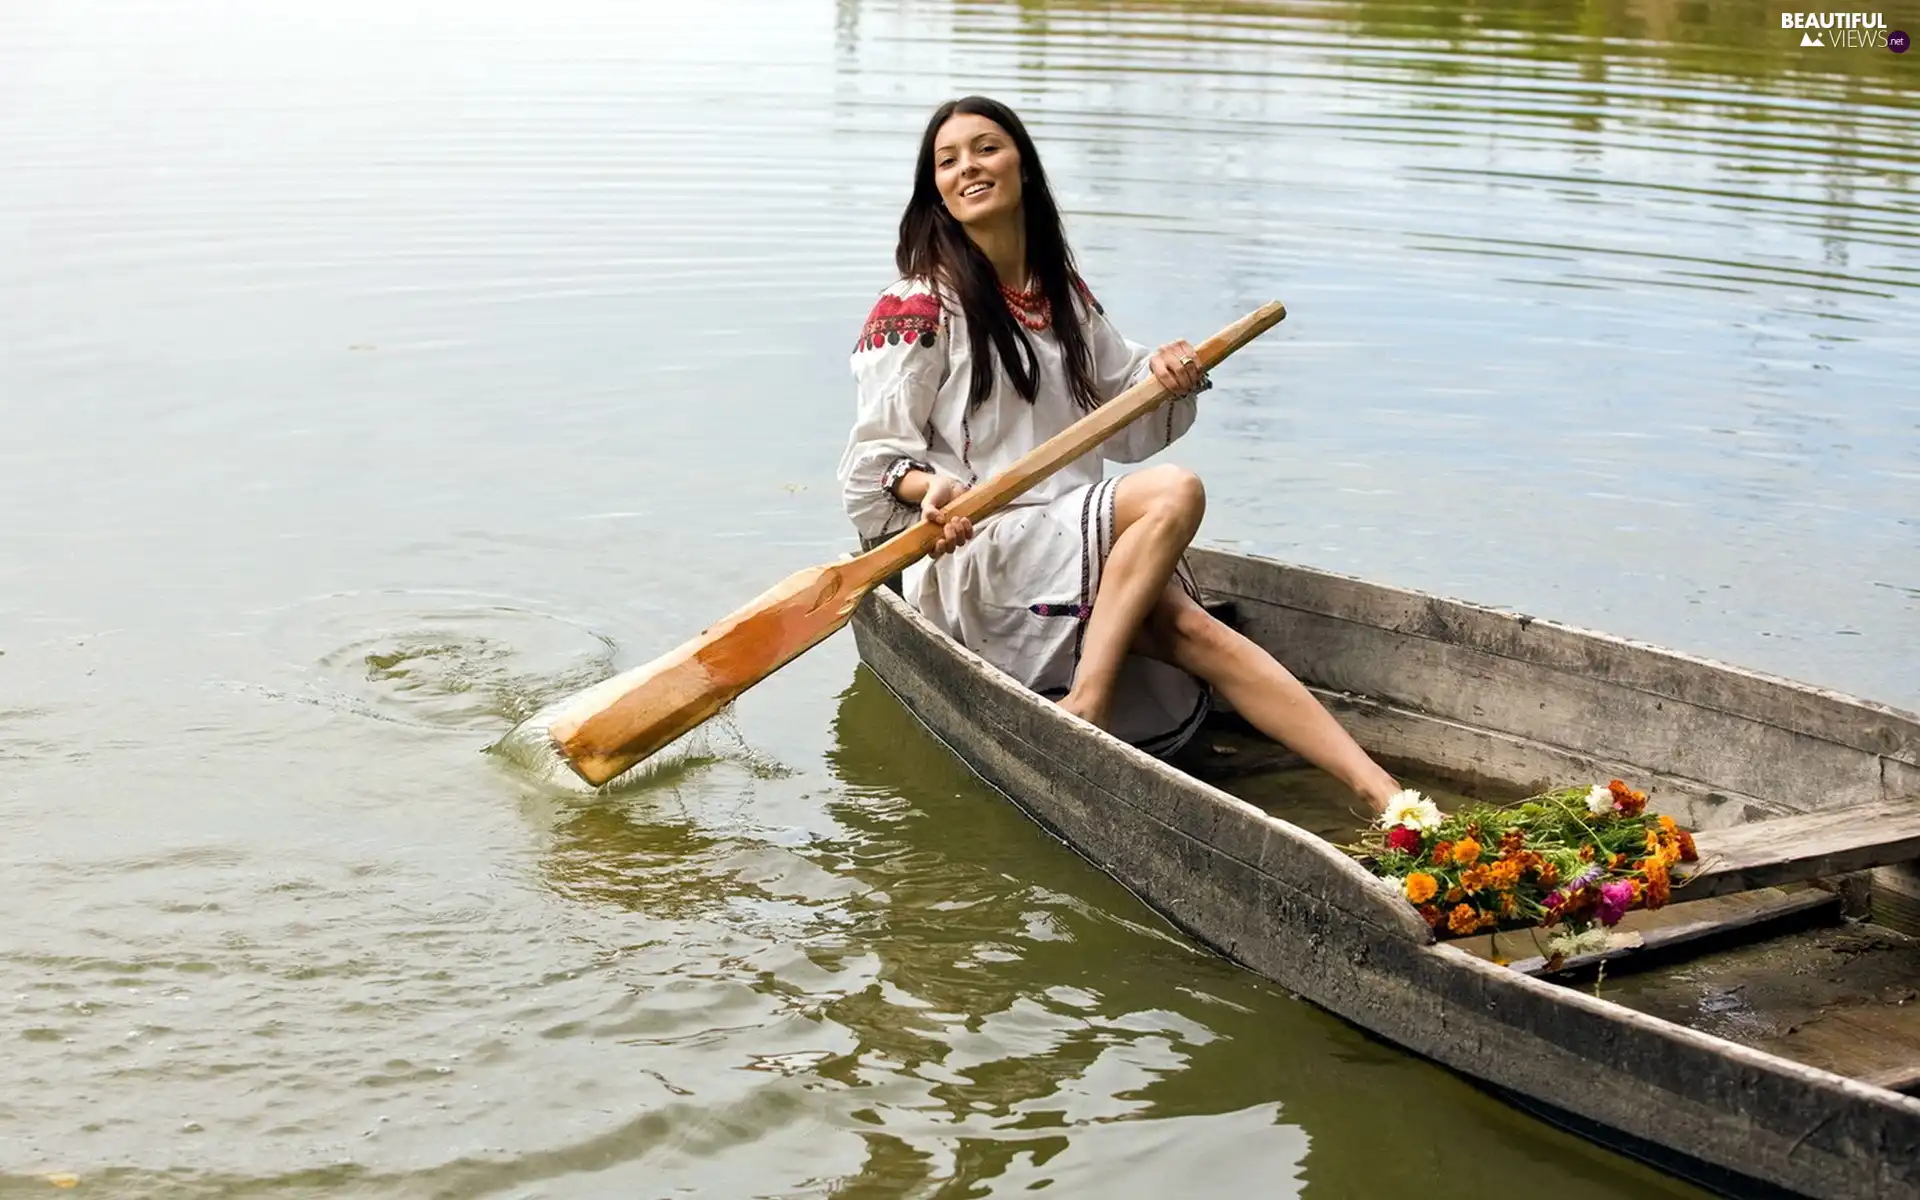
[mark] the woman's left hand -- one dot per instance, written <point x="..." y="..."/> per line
<point x="1177" y="366"/>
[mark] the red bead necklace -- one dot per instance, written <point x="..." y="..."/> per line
<point x="1031" y="308"/>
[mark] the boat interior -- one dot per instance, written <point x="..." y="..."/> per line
<point x="1794" y="935"/>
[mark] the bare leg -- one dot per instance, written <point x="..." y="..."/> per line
<point x="1156" y="512"/>
<point x="1140" y="607"/>
<point x="1179" y="631"/>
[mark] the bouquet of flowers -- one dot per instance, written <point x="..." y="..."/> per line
<point x="1579" y="858"/>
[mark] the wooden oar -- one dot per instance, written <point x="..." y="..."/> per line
<point x="603" y="730"/>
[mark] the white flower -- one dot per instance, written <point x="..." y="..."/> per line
<point x="1599" y="801"/>
<point x="1408" y="807"/>
<point x="1397" y="882"/>
<point x="1569" y="942"/>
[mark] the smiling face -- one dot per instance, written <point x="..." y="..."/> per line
<point x="976" y="168"/>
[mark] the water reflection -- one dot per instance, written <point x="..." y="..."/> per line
<point x="1683" y="37"/>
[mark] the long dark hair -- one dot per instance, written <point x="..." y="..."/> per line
<point x="935" y="247"/>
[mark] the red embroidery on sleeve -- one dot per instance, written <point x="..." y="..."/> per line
<point x="910" y="319"/>
<point x="1086" y="295"/>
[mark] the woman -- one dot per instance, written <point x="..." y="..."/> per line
<point x="988" y="345"/>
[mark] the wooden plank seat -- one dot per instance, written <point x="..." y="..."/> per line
<point x="1806" y="846"/>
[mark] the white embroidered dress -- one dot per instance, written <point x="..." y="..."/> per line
<point x="1019" y="593"/>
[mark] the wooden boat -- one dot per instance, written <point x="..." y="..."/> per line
<point x="1755" y="1036"/>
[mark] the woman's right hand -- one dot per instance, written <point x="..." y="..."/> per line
<point x="1177" y="366"/>
<point x="954" y="531"/>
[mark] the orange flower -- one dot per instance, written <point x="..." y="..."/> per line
<point x="1653" y="841"/>
<point x="1430" y="914"/>
<point x="1421" y="887"/>
<point x="1455" y="895"/>
<point x="1511" y="841"/>
<point x="1613" y="864"/>
<point x="1508" y="905"/>
<point x="1466" y="852"/>
<point x="1476" y="879"/>
<point x="1488" y="920"/>
<point x="1549" y="874"/>
<point x="1626" y="801"/>
<point x="1463" y="920"/>
<point x="1586" y="854"/>
<point x="1506" y="874"/>
<point x="1442" y="853"/>
<point x="1658" y="891"/>
<point x="1668" y="826"/>
<point x="1688" y="852"/>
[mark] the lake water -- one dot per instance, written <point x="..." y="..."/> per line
<point x="370" y="375"/>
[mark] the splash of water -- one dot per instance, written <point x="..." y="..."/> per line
<point x="529" y="747"/>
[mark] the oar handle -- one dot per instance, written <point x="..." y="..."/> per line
<point x="985" y="499"/>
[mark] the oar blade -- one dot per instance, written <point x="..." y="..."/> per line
<point x="614" y="724"/>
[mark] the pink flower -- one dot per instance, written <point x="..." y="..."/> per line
<point x="1403" y="840"/>
<point x="1615" y="899"/>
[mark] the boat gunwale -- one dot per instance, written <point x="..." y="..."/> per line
<point x="1840" y="711"/>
